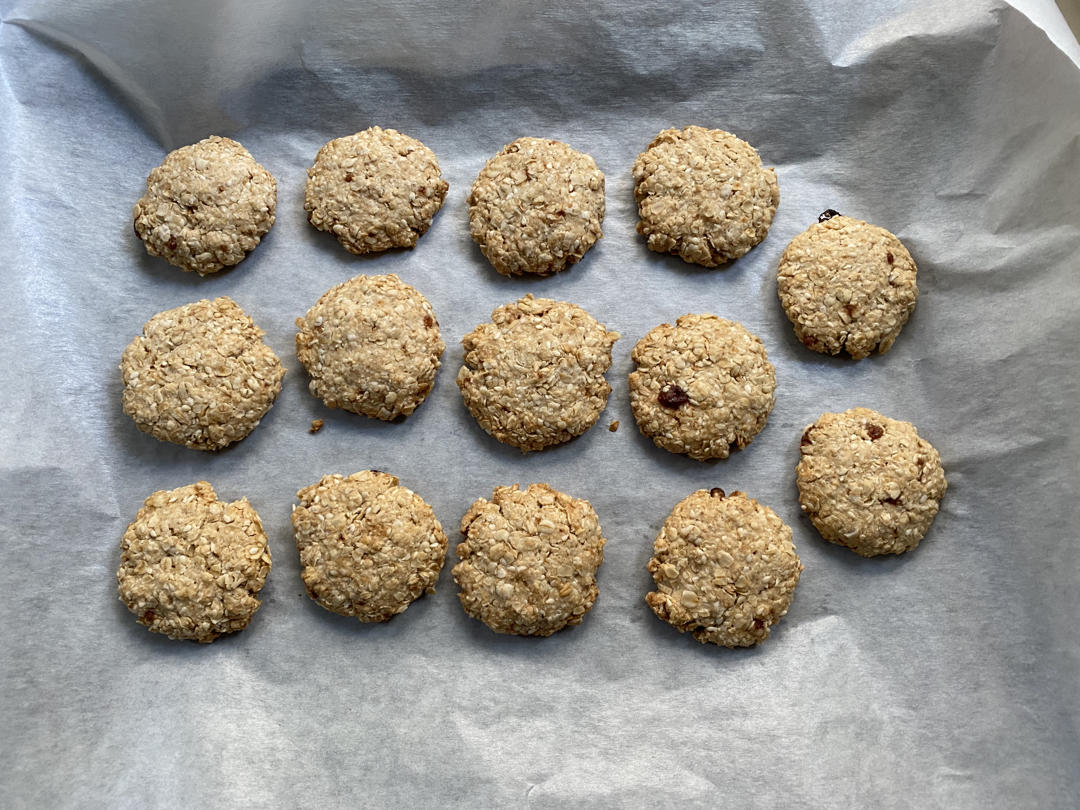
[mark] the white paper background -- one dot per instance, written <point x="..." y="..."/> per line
<point x="943" y="678"/>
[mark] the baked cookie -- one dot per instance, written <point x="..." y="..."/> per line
<point x="536" y="207"/>
<point x="869" y="482"/>
<point x="192" y="566"/>
<point x="529" y="560"/>
<point x="847" y="285"/>
<point x="368" y="546"/>
<point x="200" y="375"/>
<point x="371" y="346"/>
<point x="206" y="206"/>
<point x="702" y="386"/>
<point x="704" y="195"/>
<point x="375" y="190"/>
<point x="725" y="569"/>
<point x="534" y="376"/>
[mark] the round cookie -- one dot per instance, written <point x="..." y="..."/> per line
<point x="869" y="482"/>
<point x="529" y="560"/>
<point x="725" y="569"/>
<point x="192" y="566"/>
<point x="200" y="375"/>
<point x="704" y="195"/>
<point x="534" y="376"/>
<point x="536" y="207"/>
<point x="702" y="386"/>
<point x="375" y="190"/>
<point x="372" y="346"/>
<point x="206" y="206"/>
<point x="847" y="285"/>
<point x="368" y="546"/>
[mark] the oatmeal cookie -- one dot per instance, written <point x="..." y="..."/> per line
<point x="702" y="386"/>
<point x="704" y="195"/>
<point x="191" y="566"/>
<point x="725" y="569"/>
<point x="206" y="206"/>
<point x="372" y="346"/>
<point x="200" y="375"/>
<point x="534" y="376"/>
<point x="368" y="546"/>
<point x="869" y="482"/>
<point x="529" y="560"/>
<point x="536" y="207"/>
<point x="375" y="190"/>
<point x="847" y="285"/>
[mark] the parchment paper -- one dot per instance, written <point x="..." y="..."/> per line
<point x="946" y="677"/>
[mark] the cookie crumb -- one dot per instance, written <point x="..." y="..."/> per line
<point x="613" y="426"/>
<point x="316" y="425"/>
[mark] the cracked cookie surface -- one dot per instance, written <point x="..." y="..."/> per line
<point x="847" y="285"/>
<point x="725" y="568"/>
<point x="191" y="566"/>
<point x="529" y="560"/>
<point x="869" y="482"/>
<point x="704" y="195"/>
<point x="536" y="207"/>
<point x="374" y="190"/>
<point x="368" y="546"/>
<point x="200" y="375"/>
<point x="371" y="346"/>
<point x="534" y="376"/>
<point x="702" y="386"/>
<point x="206" y="206"/>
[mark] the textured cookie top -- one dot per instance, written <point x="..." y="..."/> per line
<point x="536" y="207"/>
<point x="847" y="285"/>
<point x="869" y="482"/>
<point x="200" y="375"/>
<point x="529" y="560"/>
<point x="206" y="206"/>
<point x="534" y="376"/>
<point x="725" y="568"/>
<point x="375" y="190"/>
<point x="704" y="195"/>
<point x="368" y="546"/>
<point x="702" y="386"/>
<point x="192" y="566"/>
<point x="371" y="346"/>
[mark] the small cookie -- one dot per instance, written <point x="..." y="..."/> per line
<point x="192" y="566"/>
<point x="368" y="546"/>
<point x="536" y="207"/>
<point x="702" y="386"/>
<point x="371" y="346"/>
<point x="534" y="376"/>
<point x="529" y="560"/>
<point x="847" y="285"/>
<point x="704" y="195"/>
<point x="206" y="206"/>
<point x="375" y="190"/>
<point x="725" y="569"/>
<point x="200" y="375"/>
<point x="869" y="482"/>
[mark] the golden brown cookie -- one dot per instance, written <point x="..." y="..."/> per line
<point x="536" y="207"/>
<point x="725" y="569"/>
<point x="200" y="375"/>
<point x="704" y="195"/>
<point x="847" y="285"/>
<point x="206" y="206"/>
<point x="529" y="560"/>
<point x="372" y="346"/>
<point x="191" y="566"/>
<point x="369" y="547"/>
<point x="869" y="482"/>
<point x="375" y="190"/>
